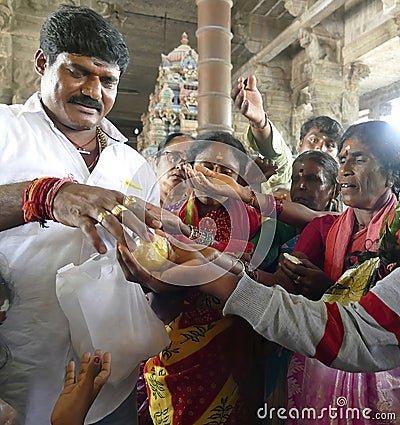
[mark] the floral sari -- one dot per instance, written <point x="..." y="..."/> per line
<point x="205" y="376"/>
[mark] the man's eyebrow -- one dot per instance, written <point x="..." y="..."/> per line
<point x="354" y="154"/>
<point x="86" y="71"/>
<point x="110" y="78"/>
<point x="80" y="67"/>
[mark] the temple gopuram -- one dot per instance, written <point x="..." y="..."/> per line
<point x="173" y="104"/>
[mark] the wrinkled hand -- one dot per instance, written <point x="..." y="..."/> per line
<point x="259" y="170"/>
<point x="78" y="395"/>
<point x="79" y="205"/>
<point x="211" y="182"/>
<point x="310" y="279"/>
<point x="170" y="223"/>
<point x="248" y="99"/>
<point x="193" y="265"/>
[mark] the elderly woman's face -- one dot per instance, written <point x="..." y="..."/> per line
<point x="169" y="167"/>
<point x="310" y="186"/>
<point x="221" y="159"/>
<point x="361" y="178"/>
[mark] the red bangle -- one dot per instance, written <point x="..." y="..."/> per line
<point x="257" y="126"/>
<point x="38" y="198"/>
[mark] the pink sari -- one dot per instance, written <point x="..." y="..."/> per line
<point x="310" y="384"/>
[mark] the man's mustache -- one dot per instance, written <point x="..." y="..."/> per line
<point x="86" y="101"/>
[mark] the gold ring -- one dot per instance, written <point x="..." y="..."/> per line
<point x="129" y="200"/>
<point x="101" y="215"/>
<point x="117" y="210"/>
<point x="297" y="280"/>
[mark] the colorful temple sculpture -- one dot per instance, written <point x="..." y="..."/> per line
<point x="173" y="105"/>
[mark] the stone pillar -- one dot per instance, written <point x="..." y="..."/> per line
<point x="6" y="12"/>
<point x="354" y="72"/>
<point x="273" y="81"/>
<point x="214" y="65"/>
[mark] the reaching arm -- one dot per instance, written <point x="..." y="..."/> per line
<point x="79" y="205"/>
<point x="362" y="337"/>
<point x="11" y="205"/>
<point x="80" y="392"/>
<point x="262" y="134"/>
<point x="220" y="184"/>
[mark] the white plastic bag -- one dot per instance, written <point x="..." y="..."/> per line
<point x="106" y="311"/>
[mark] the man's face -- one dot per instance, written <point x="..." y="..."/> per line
<point x="77" y="91"/>
<point x="315" y="139"/>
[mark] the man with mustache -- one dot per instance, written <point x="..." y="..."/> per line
<point x="67" y="181"/>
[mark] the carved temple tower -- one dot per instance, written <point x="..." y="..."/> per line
<point x="173" y="104"/>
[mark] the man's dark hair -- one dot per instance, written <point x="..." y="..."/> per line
<point x="330" y="127"/>
<point x="80" y="30"/>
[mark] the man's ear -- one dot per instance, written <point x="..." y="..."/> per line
<point x="299" y="146"/>
<point x="40" y="62"/>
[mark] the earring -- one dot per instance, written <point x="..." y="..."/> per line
<point x="334" y="202"/>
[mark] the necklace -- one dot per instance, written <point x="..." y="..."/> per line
<point x="101" y="145"/>
<point x="80" y="148"/>
<point x="99" y="136"/>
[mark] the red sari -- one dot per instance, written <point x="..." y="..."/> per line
<point x="205" y="375"/>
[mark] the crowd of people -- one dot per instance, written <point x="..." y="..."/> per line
<point x="287" y="300"/>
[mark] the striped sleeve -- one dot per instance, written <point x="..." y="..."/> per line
<point x="362" y="337"/>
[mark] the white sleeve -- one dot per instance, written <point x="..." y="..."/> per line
<point x="363" y="337"/>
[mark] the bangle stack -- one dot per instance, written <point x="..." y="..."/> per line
<point x="260" y="125"/>
<point x="38" y="198"/>
<point x="200" y="236"/>
<point x="247" y="269"/>
<point x="253" y="198"/>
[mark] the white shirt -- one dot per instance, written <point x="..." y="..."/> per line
<point x="36" y="331"/>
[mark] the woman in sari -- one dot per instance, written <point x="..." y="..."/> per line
<point x="202" y="376"/>
<point x="369" y="179"/>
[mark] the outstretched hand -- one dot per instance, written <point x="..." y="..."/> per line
<point x="83" y="206"/>
<point x="248" y="99"/>
<point x="79" y="394"/>
<point x="211" y="182"/>
<point x="189" y="265"/>
<point x="311" y="281"/>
